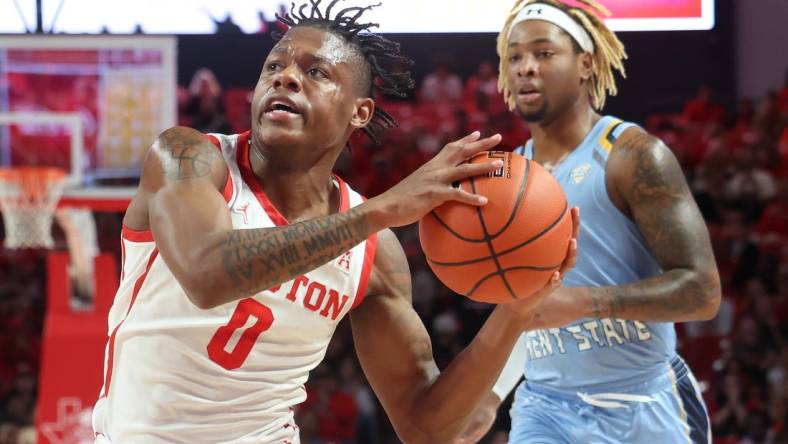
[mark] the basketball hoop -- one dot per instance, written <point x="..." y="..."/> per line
<point x="28" y="197"/>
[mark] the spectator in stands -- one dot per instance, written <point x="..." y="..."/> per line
<point x="18" y="409"/>
<point x="751" y="187"/>
<point x="768" y="119"/>
<point x="336" y="411"/>
<point x="205" y="107"/>
<point x="309" y="429"/>
<point x="782" y="154"/>
<point x="481" y="92"/>
<point x="183" y="98"/>
<point x="442" y="85"/>
<point x="781" y="296"/>
<point x="772" y="228"/>
<point x="745" y="114"/>
<point x="730" y="416"/>
<point x="755" y="346"/>
<point x="354" y="385"/>
<point x="757" y="429"/>
<point x="710" y="178"/>
<point x="702" y="110"/>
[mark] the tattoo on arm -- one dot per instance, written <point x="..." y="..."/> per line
<point x="667" y="216"/>
<point x="257" y="259"/>
<point x="186" y="154"/>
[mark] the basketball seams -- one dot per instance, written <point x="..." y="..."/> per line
<point x="506" y="270"/>
<point x="521" y="194"/>
<point x="488" y="240"/>
<point x="540" y="234"/>
<point x="452" y="232"/>
<point x="508" y="250"/>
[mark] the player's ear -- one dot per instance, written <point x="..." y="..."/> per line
<point x="364" y="109"/>
<point x="586" y="66"/>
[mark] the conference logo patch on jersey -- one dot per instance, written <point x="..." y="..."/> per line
<point x="343" y="262"/>
<point x="580" y="173"/>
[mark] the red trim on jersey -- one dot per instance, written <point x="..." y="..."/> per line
<point x="111" y="346"/>
<point x="366" y="270"/>
<point x="136" y="235"/>
<point x="344" y="194"/>
<point x="227" y="192"/>
<point x="245" y="165"/>
<point x="122" y="259"/>
<point x="215" y="141"/>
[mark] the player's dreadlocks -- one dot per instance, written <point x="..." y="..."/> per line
<point x="609" y="52"/>
<point x="386" y="69"/>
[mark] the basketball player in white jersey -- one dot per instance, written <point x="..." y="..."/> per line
<point x="243" y="252"/>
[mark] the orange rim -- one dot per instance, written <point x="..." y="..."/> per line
<point x="33" y="181"/>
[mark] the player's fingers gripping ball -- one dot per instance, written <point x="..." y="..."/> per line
<point x="507" y="249"/>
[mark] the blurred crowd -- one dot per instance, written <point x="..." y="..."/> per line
<point x="735" y="160"/>
<point x="22" y="286"/>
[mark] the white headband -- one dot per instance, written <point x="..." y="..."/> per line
<point x="548" y="13"/>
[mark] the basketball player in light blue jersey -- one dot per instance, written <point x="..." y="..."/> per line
<point x="610" y="374"/>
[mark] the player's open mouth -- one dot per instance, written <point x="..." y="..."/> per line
<point x="529" y="95"/>
<point x="281" y="109"/>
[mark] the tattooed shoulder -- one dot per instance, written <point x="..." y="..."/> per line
<point x="185" y="153"/>
<point x="645" y="169"/>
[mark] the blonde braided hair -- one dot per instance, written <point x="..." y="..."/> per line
<point x="609" y="52"/>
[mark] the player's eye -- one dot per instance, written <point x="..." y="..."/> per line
<point x="316" y="73"/>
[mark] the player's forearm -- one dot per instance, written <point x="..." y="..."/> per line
<point x="240" y="263"/>
<point x="442" y="409"/>
<point x="678" y="295"/>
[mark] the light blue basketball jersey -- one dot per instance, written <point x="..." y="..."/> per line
<point x="600" y="355"/>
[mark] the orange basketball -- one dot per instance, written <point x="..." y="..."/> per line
<point x="507" y="249"/>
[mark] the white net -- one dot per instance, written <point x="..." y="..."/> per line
<point x="28" y="197"/>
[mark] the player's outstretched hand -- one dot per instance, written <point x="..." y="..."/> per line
<point x="431" y="185"/>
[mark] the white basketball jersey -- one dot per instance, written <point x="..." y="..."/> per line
<point x="175" y="373"/>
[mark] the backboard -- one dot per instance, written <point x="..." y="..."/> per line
<point x="90" y="105"/>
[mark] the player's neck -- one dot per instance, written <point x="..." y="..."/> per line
<point x="561" y="135"/>
<point x="298" y="194"/>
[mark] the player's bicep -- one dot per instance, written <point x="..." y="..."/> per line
<point x="182" y="176"/>
<point x="653" y="185"/>
<point x="392" y="343"/>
